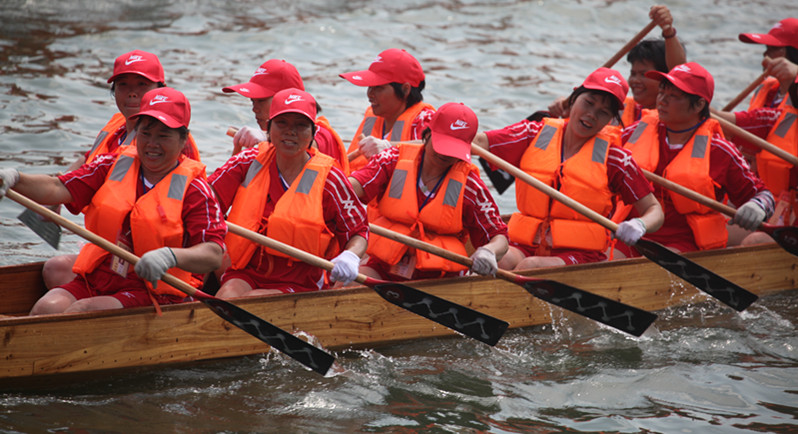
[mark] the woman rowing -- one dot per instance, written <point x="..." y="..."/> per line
<point x="433" y="192"/>
<point x="582" y="157"/>
<point x="683" y="144"/>
<point x="287" y="190"/>
<point x="271" y="77"/>
<point x="397" y="112"/>
<point x="149" y="199"/>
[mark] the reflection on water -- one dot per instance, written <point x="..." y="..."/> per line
<point x="703" y="368"/>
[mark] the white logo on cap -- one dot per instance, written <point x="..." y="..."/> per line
<point x="377" y="59"/>
<point x="159" y="99"/>
<point x="756" y="36"/>
<point x="613" y="79"/>
<point x="244" y="89"/>
<point x="458" y="125"/>
<point x="683" y="68"/>
<point x="293" y="98"/>
<point x="133" y="59"/>
<point x="357" y="77"/>
<point x="261" y="71"/>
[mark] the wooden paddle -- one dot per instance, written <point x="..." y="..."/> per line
<point x="722" y="289"/>
<point x="762" y="143"/>
<point x="785" y="236"/>
<point x="459" y="318"/>
<point x="310" y="356"/>
<point x="629" y="45"/>
<point x="604" y="310"/>
<point x="733" y="103"/>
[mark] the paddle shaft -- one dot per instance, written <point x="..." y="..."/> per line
<point x="629" y="45"/>
<point x="762" y="143"/>
<point x="757" y="81"/>
<point x="690" y="194"/>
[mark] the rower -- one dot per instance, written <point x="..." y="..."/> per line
<point x="397" y="112"/>
<point x="433" y="192"/>
<point x="288" y="191"/>
<point x="683" y="144"/>
<point x="271" y="77"/>
<point x="149" y="199"/>
<point x="582" y="157"/>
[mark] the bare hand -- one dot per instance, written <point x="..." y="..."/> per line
<point x="662" y="17"/>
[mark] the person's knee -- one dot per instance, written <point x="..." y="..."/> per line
<point x="234" y="288"/>
<point x="52" y="302"/>
<point x="58" y="270"/>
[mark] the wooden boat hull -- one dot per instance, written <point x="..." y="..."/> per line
<point x="34" y="347"/>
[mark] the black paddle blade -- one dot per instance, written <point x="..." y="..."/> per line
<point x="459" y="318"/>
<point x="785" y="236"/>
<point x="613" y="313"/>
<point x="727" y="292"/>
<point x="501" y="180"/>
<point x="301" y="351"/>
<point x="47" y="230"/>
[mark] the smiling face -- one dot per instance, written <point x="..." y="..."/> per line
<point x="128" y="90"/>
<point x="158" y="146"/>
<point x="644" y="90"/>
<point x="384" y="101"/>
<point x="291" y="134"/>
<point x="260" y="106"/>
<point x="591" y="112"/>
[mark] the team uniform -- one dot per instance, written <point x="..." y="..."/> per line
<point x="343" y="218"/>
<point x="114" y="136"/>
<point x="623" y="179"/>
<point x="201" y="221"/>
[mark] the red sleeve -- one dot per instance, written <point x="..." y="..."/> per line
<point x="202" y="219"/>
<point x="226" y="179"/>
<point x="84" y="181"/>
<point x="344" y="214"/>
<point x="759" y="121"/>
<point x="481" y="216"/>
<point x="625" y="177"/>
<point x="327" y="143"/>
<point x="510" y="142"/>
<point x="730" y="170"/>
<point x="374" y="177"/>
<point x="421" y="122"/>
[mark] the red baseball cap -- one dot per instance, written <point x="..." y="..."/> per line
<point x="140" y="63"/>
<point x="608" y="80"/>
<point x="271" y="77"/>
<point x="453" y="128"/>
<point x="293" y="101"/>
<point x="783" y="34"/>
<point x="167" y="105"/>
<point x="690" y="77"/>
<point x="391" y="66"/>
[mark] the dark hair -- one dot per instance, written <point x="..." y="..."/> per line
<point x="615" y="106"/>
<point x="426" y="134"/>
<point x="146" y="121"/>
<point x="791" y="54"/>
<point x="693" y="98"/>
<point x="412" y="98"/>
<point x="113" y="86"/>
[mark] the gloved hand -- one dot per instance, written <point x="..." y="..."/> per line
<point x="9" y="178"/>
<point x="153" y="264"/>
<point x="346" y="267"/>
<point x="484" y="262"/>
<point x="371" y="146"/>
<point x="749" y="216"/>
<point x="248" y="137"/>
<point x="630" y="231"/>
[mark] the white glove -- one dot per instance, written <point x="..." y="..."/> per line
<point x="749" y="216"/>
<point x="153" y="264"/>
<point x="346" y="267"/>
<point x="248" y="137"/>
<point x="371" y="146"/>
<point x="9" y="177"/>
<point x="484" y="262"/>
<point x="630" y="231"/>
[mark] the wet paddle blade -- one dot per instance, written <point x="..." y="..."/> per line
<point x="785" y="236"/>
<point x="301" y="351"/>
<point x="47" y="230"/>
<point x="727" y="292"/>
<point x="501" y="180"/>
<point x="459" y="318"/>
<point x="613" y="313"/>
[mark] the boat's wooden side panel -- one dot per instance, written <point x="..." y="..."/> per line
<point x="21" y="288"/>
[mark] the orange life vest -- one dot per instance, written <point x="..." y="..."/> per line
<point x="439" y="222"/>
<point x="690" y="168"/>
<point x="343" y="163"/>
<point x="628" y="116"/>
<point x="155" y="217"/>
<point x="102" y="144"/>
<point x="760" y="97"/>
<point x="773" y="170"/>
<point x="372" y="126"/>
<point x="298" y="217"/>
<point x="582" y="177"/>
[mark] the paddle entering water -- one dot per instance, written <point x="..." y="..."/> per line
<point x="459" y="318"/>
<point x="301" y="351"/>
<point x="718" y="287"/>
<point x="785" y="236"/>
<point x="613" y="313"/>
